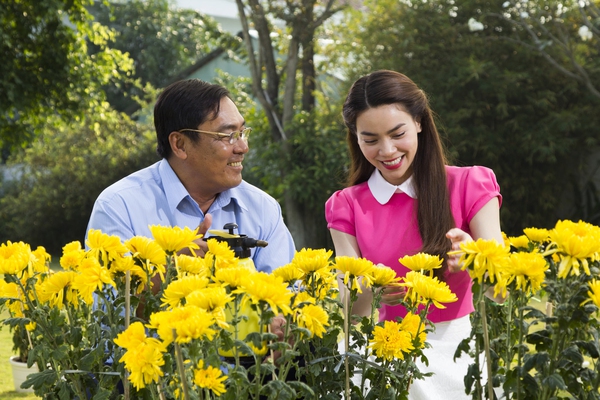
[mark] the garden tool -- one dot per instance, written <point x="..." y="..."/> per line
<point x="241" y="245"/>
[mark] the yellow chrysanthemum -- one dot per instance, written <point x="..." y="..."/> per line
<point x="190" y="265"/>
<point x="303" y="297"/>
<point x="577" y="243"/>
<point x="143" y="358"/>
<point x="233" y="277"/>
<point x="105" y="247"/>
<point x="527" y="270"/>
<point x="219" y="256"/>
<point x="40" y="260"/>
<point x="210" y="378"/>
<point x="181" y="288"/>
<point x="14" y="257"/>
<point x="309" y="260"/>
<point x="536" y="234"/>
<point x="70" y="259"/>
<point x="483" y="257"/>
<point x="137" y="274"/>
<point x="290" y="273"/>
<point x="92" y="276"/>
<point x="355" y="268"/>
<point x="209" y="298"/>
<point x="421" y="262"/>
<point x="149" y="253"/>
<point x="12" y="291"/>
<point x="56" y="287"/>
<point x="594" y="293"/>
<point x="173" y="239"/>
<point x="422" y="289"/>
<point x="519" y="242"/>
<point x="383" y="276"/>
<point x="413" y="324"/>
<point x="267" y="288"/>
<point x="189" y="322"/>
<point x="391" y="341"/>
<point x="327" y="285"/>
<point x="131" y="337"/>
<point x="313" y="318"/>
<point x="9" y="290"/>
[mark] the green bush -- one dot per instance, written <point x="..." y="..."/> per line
<point x="57" y="179"/>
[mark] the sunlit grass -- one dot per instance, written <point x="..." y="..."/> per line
<point x="7" y="388"/>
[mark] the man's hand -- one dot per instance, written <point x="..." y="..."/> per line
<point x="202" y="229"/>
<point x="277" y="327"/>
<point x="456" y="236"/>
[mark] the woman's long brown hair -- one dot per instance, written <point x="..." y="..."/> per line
<point x="434" y="215"/>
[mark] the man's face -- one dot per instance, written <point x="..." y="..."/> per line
<point x="216" y="162"/>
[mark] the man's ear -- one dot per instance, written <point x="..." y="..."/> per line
<point x="179" y="144"/>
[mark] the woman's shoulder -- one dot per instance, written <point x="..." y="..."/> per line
<point x="469" y="175"/>
<point x="351" y="192"/>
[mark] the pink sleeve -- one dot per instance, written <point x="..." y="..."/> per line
<point x="339" y="213"/>
<point x="480" y="186"/>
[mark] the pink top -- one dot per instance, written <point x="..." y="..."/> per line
<point x="385" y="233"/>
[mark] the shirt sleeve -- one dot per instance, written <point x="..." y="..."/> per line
<point x="281" y="248"/>
<point x="480" y="186"/>
<point x="340" y="214"/>
<point x="111" y="218"/>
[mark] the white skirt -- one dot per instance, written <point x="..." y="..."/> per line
<point x="447" y="381"/>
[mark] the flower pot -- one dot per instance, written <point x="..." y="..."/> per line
<point x="20" y="373"/>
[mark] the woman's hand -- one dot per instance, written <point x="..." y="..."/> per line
<point x="456" y="236"/>
<point x="392" y="295"/>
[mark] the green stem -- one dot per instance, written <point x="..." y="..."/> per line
<point x="509" y="355"/>
<point x="486" y="343"/>
<point x="180" y="367"/>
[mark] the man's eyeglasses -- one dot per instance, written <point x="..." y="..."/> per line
<point x="233" y="136"/>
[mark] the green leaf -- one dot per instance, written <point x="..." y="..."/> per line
<point x="554" y="381"/>
<point x="38" y="380"/>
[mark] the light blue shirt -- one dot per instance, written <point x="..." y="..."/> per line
<point x="156" y="196"/>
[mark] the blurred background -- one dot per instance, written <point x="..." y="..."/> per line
<point x="515" y="86"/>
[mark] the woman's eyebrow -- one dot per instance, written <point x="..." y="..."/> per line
<point x="394" y="129"/>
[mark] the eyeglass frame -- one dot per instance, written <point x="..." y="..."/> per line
<point x="243" y="134"/>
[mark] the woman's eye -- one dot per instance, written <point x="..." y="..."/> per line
<point x="369" y="141"/>
<point x="398" y="135"/>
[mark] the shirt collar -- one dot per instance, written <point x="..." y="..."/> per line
<point x="176" y="192"/>
<point x="383" y="191"/>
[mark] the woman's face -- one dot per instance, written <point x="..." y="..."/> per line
<point x="387" y="137"/>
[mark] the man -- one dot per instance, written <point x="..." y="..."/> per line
<point x="202" y="139"/>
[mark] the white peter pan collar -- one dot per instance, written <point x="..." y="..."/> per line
<point x="383" y="191"/>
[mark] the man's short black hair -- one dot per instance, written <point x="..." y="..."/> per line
<point x="185" y="104"/>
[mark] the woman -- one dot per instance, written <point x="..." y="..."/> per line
<point x="402" y="198"/>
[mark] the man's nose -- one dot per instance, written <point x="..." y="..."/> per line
<point x="241" y="146"/>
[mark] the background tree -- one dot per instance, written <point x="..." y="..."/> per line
<point x="162" y="41"/>
<point x="62" y="173"/>
<point x="557" y="30"/>
<point x="46" y="68"/>
<point x="499" y="104"/>
<point x="288" y="102"/>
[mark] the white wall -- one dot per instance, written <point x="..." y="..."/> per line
<point x="225" y="12"/>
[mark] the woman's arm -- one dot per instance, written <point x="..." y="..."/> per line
<point x="484" y="225"/>
<point x="346" y="245"/>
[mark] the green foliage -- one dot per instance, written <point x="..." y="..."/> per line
<point x="538" y="354"/>
<point x="499" y="104"/>
<point x="62" y="173"/>
<point x="311" y="167"/>
<point x="46" y="67"/>
<point x="161" y="39"/>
